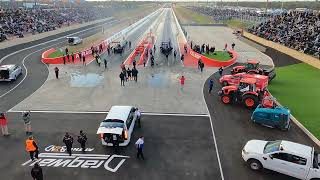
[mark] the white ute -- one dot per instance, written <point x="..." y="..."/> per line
<point x="293" y="159"/>
<point x="118" y="126"/>
<point x="10" y="72"/>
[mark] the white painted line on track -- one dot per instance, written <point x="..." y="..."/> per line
<point x="213" y="134"/>
<point x="104" y="112"/>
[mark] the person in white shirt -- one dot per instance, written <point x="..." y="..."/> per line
<point x="139" y="145"/>
<point x="138" y="116"/>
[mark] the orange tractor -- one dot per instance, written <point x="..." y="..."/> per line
<point x="245" y="92"/>
<point x="253" y="67"/>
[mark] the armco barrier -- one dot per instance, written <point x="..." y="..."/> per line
<point x="213" y="62"/>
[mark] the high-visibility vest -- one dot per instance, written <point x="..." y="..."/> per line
<point x="30" y="146"/>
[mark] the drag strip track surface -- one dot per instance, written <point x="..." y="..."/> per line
<point x="11" y="93"/>
<point x="37" y="71"/>
<point x="233" y="129"/>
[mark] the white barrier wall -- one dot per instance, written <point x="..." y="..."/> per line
<point x="122" y="34"/>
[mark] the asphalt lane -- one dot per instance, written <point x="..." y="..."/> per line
<point x="176" y="147"/>
<point x="233" y="128"/>
<point x="166" y="33"/>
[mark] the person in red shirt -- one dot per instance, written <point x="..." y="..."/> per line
<point x="182" y="79"/>
<point x="3" y="124"/>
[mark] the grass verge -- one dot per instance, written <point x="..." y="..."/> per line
<point x="297" y="87"/>
<point x="219" y="55"/>
<point x="187" y="16"/>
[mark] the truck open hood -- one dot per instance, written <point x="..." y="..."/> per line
<point x="102" y="130"/>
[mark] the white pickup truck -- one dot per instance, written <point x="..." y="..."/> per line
<point x="293" y="159"/>
<point x="10" y="72"/>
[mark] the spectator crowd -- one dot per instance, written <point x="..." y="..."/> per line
<point x="16" y="22"/>
<point x="218" y="13"/>
<point x="295" y="29"/>
<point x="299" y="30"/>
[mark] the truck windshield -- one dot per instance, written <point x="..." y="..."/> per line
<point x="271" y="146"/>
<point x="4" y="74"/>
<point x="112" y="123"/>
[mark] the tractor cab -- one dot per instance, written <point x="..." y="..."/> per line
<point x="247" y="84"/>
<point x="270" y="114"/>
<point x="252" y="66"/>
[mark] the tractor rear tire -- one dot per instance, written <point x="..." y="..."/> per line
<point x="226" y="99"/>
<point x="250" y="101"/>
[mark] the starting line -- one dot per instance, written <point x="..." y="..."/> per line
<point x="105" y="112"/>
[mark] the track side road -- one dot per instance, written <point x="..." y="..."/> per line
<point x="234" y="128"/>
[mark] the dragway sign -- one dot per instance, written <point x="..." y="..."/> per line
<point x="92" y="161"/>
<point x="56" y="158"/>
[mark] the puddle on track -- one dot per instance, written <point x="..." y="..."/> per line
<point x="158" y="80"/>
<point x="85" y="80"/>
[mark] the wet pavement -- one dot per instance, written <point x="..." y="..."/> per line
<point x="85" y="80"/>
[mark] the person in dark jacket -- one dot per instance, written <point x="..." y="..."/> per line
<point x="56" y="71"/>
<point x="129" y="72"/>
<point x="68" y="141"/>
<point x="220" y="71"/>
<point x="64" y="59"/>
<point x="210" y="85"/>
<point x="122" y="76"/>
<point x="72" y="57"/>
<point x="135" y="74"/>
<point x="201" y="66"/>
<point x="36" y="172"/>
<point x="84" y="60"/>
<point x="82" y="139"/>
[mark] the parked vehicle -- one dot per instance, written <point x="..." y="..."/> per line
<point x="10" y="72"/>
<point x="119" y="46"/>
<point x="235" y="79"/>
<point x="74" y="40"/>
<point x="166" y="48"/>
<point x="245" y="92"/>
<point x="252" y="67"/>
<point x="268" y="113"/>
<point x="117" y="126"/>
<point x="293" y="159"/>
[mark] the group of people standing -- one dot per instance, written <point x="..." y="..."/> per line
<point x="128" y="74"/>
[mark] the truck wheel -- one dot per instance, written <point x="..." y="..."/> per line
<point x="226" y="99"/>
<point x="255" y="165"/>
<point x="250" y="101"/>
